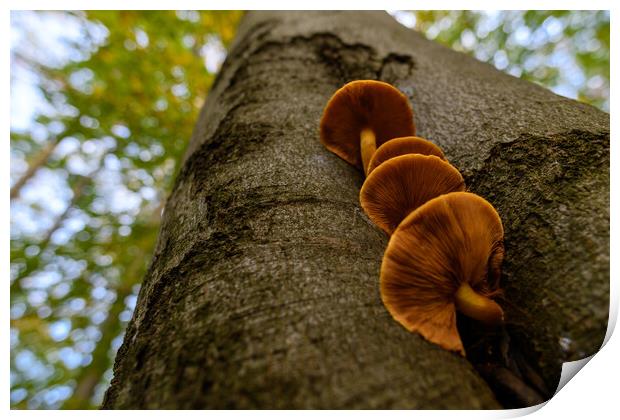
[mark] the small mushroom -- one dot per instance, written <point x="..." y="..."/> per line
<point x="402" y="146"/>
<point x="444" y="256"/>
<point x="402" y="184"/>
<point x="361" y="116"/>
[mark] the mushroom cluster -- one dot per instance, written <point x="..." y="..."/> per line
<point x="446" y="245"/>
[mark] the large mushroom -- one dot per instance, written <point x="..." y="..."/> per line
<point x="361" y="116"/>
<point x="403" y="146"/>
<point x="402" y="184"/>
<point x="444" y="256"/>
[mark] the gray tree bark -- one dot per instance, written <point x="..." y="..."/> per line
<point x="264" y="288"/>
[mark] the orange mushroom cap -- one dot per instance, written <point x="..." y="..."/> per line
<point x="402" y="184"/>
<point x="359" y="105"/>
<point x="450" y="246"/>
<point x="403" y="146"/>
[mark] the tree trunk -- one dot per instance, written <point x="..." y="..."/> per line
<point x="264" y="288"/>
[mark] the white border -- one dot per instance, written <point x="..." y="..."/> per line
<point x="307" y="5"/>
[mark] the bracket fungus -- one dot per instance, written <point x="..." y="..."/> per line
<point x="403" y="146"/>
<point x="361" y="116"/>
<point x="402" y="184"/>
<point x="445" y="256"/>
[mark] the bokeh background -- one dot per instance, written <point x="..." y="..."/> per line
<point x="102" y="107"/>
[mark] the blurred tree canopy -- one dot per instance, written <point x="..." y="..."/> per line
<point x="118" y="100"/>
<point x="565" y="51"/>
<point x="102" y="107"/>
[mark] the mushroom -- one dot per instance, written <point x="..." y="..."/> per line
<point x="402" y="146"/>
<point x="363" y="115"/>
<point x="444" y="256"/>
<point x="402" y="184"/>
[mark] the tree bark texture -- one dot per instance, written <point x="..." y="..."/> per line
<point x="264" y="288"/>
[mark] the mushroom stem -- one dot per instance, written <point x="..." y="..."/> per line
<point x="368" y="146"/>
<point x="477" y="306"/>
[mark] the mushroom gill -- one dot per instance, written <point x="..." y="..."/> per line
<point x="403" y="146"/>
<point x="402" y="184"/>
<point x="361" y="116"/>
<point x="444" y="256"/>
